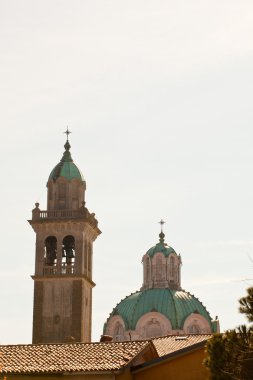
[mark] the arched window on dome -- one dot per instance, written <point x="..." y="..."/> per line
<point x="194" y="329"/>
<point x="159" y="268"/>
<point x="118" y="333"/>
<point x="153" y="328"/>
<point x="196" y="323"/>
<point x="176" y="269"/>
<point x="51" y="195"/>
<point x="74" y="195"/>
<point x="62" y="195"/>
<point x="172" y="267"/>
<point x="147" y="270"/>
<point x="50" y="191"/>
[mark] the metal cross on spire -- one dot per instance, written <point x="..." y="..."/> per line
<point x="162" y="222"/>
<point x="67" y="132"/>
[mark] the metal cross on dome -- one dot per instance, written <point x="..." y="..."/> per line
<point x="162" y="222"/>
<point x="67" y="132"/>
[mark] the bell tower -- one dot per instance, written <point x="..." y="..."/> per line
<point x="65" y="233"/>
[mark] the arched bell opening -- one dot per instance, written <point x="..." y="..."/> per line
<point x="50" y="256"/>
<point x="68" y="250"/>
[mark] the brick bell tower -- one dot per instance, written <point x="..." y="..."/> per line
<point x="65" y="233"/>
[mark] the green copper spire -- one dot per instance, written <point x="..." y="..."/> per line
<point x="162" y="235"/>
<point x="66" y="167"/>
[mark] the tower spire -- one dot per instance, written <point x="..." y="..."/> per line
<point x="67" y="132"/>
<point x="162" y="235"/>
<point x="162" y="222"/>
<point x="67" y="145"/>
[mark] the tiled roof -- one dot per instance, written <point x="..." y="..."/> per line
<point x="172" y="343"/>
<point x="77" y="357"/>
<point x="88" y="357"/>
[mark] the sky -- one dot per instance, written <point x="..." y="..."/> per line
<point x="158" y="96"/>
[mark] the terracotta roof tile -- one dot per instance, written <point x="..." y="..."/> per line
<point x="172" y="343"/>
<point x="78" y="357"/>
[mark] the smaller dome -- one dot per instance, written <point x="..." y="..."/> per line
<point x="66" y="167"/>
<point x="161" y="247"/>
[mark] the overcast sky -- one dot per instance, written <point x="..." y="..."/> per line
<point x="158" y="96"/>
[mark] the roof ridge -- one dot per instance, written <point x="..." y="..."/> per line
<point x="125" y="342"/>
<point x="179" y="335"/>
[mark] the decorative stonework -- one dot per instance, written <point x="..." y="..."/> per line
<point x="196" y="324"/>
<point x="153" y="324"/>
<point x="116" y="329"/>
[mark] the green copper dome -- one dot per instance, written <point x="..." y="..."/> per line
<point x="66" y="167"/>
<point x="161" y="247"/>
<point x="176" y="305"/>
<point x="160" y="307"/>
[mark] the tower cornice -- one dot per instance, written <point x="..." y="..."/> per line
<point x="64" y="277"/>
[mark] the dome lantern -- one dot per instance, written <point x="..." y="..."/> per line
<point x="161" y="266"/>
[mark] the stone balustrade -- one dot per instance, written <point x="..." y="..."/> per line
<point x="80" y="213"/>
<point x="55" y="214"/>
<point x="64" y="269"/>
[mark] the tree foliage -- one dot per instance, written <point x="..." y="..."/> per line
<point x="230" y="355"/>
<point x="246" y="305"/>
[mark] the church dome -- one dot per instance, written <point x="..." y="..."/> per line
<point x="175" y="305"/>
<point x="66" y="167"/>
<point x="161" y="306"/>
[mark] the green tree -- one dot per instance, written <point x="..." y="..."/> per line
<point x="245" y="350"/>
<point x="246" y="305"/>
<point x="230" y="355"/>
<point x="218" y="357"/>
